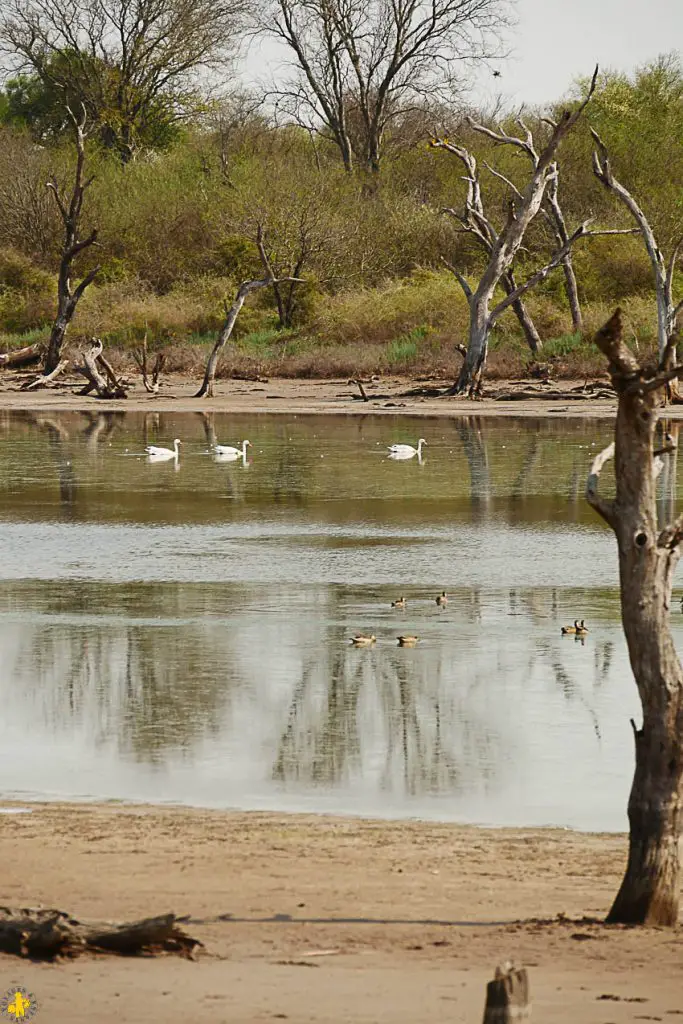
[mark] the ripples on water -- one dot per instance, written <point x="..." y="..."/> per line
<point x="183" y="635"/>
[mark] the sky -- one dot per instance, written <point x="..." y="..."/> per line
<point x="556" y="41"/>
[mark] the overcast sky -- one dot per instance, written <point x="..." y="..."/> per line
<point x="555" y="41"/>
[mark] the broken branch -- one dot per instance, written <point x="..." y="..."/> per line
<point x="602" y="507"/>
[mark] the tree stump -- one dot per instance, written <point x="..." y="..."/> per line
<point x="507" y="996"/>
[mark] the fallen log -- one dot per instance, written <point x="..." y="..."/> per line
<point x="23" y="356"/>
<point x="48" y="934"/>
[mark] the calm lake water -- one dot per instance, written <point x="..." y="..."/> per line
<point x="180" y="633"/>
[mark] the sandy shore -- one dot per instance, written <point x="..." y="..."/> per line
<point x="306" y="397"/>
<point x="410" y="919"/>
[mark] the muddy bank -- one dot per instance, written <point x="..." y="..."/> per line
<point x="388" y="396"/>
<point x="329" y="919"/>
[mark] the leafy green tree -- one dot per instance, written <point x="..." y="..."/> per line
<point x="128" y="63"/>
<point x="39" y="104"/>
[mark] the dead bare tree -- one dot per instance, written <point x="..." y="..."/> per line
<point x="475" y="222"/>
<point x="370" y="61"/>
<point x="648" y="555"/>
<point x="150" y="381"/>
<point x="523" y="207"/>
<point x="667" y="309"/>
<point x="551" y="208"/>
<point x="233" y="311"/>
<point x="71" y="211"/>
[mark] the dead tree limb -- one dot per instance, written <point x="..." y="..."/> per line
<point x="45" y="380"/>
<point x="94" y="365"/>
<point x="551" y="208"/>
<point x="70" y="210"/>
<point x="475" y="222"/>
<point x="232" y="312"/>
<point x="520" y="215"/>
<point x="48" y="934"/>
<point x="150" y="382"/>
<point x="667" y="309"/>
<point x="650" y="890"/>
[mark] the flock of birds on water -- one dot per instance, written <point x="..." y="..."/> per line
<point x="367" y="640"/>
<point x="230" y="453"/>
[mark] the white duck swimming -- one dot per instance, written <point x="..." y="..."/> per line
<point x="406" y="451"/>
<point x="227" y="452"/>
<point x="156" y="454"/>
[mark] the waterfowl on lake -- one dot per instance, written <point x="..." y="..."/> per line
<point x="581" y="628"/>
<point x="567" y="630"/>
<point x="156" y="454"/>
<point x="227" y="452"/>
<point x="400" y="603"/>
<point x="361" y="640"/>
<point x="442" y="599"/>
<point x="406" y="451"/>
<point x="407" y="641"/>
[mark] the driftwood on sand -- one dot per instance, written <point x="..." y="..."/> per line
<point x="48" y="934"/>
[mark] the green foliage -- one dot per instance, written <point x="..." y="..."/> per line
<point x="565" y="345"/>
<point x="38" y="103"/>
<point x="26" y="293"/>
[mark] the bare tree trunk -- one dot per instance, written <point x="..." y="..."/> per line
<point x="67" y="297"/>
<point x="650" y="890"/>
<point x="557" y="220"/>
<point x="245" y="289"/>
<point x="533" y="338"/>
<point x="206" y="390"/>
<point x="667" y="311"/>
<point x="476" y="223"/>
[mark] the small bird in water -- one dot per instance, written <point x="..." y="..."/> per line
<point x="442" y="599"/>
<point x="568" y="630"/>
<point x="407" y="641"/>
<point x="400" y="603"/>
<point x="361" y="640"/>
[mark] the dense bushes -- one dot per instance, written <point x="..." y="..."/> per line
<point x="177" y="233"/>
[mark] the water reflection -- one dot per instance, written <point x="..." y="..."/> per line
<point x="184" y="636"/>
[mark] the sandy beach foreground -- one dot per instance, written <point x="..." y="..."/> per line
<point x="332" y="920"/>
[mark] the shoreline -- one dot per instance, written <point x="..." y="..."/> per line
<point x="17" y="803"/>
<point x="304" y="397"/>
<point x="402" y="921"/>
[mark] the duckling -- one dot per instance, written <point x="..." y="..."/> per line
<point x="362" y="640"/>
<point x="442" y="599"/>
<point x="407" y="641"/>
<point x="567" y="630"/>
<point x="400" y="603"/>
<point x="581" y="628"/>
